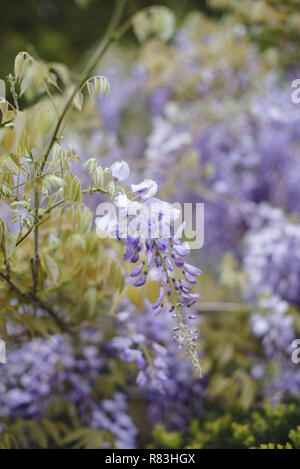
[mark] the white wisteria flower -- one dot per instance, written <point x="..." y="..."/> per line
<point x="120" y="170"/>
<point x="145" y="190"/>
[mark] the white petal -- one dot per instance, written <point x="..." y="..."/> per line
<point x="120" y="170"/>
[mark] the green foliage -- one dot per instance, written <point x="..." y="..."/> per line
<point x="229" y="345"/>
<point x="154" y="22"/>
<point x="266" y="427"/>
<point x="63" y="271"/>
<point x="87" y="438"/>
<point x="164" y="439"/>
<point x="49" y="434"/>
<point x="7" y="243"/>
<point x="25" y="434"/>
<point x="41" y="26"/>
<point x="273" y="24"/>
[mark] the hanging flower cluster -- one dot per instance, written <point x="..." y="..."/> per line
<point x="44" y="369"/>
<point x="170" y="390"/>
<point x="146" y="225"/>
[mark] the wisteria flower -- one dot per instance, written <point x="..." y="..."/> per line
<point x="145" y="190"/>
<point x="120" y="170"/>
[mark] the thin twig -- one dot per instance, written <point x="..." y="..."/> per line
<point x="52" y="207"/>
<point x="50" y="97"/>
<point x="6" y="263"/>
<point x="31" y="298"/>
<point x="109" y="37"/>
<point x="224" y="306"/>
<point x="36" y="242"/>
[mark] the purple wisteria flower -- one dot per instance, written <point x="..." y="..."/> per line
<point x="172" y="394"/>
<point x="275" y="327"/>
<point x="272" y="255"/>
<point x="145" y="190"/>
<point x="147" y="229"/>
<point x="43" y="371"/>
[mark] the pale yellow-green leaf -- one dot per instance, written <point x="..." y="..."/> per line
<point x="7" y="241"/>
<point x="62" y="71"/>
<point x="76" y="194"/>
<point x="90" y="297"/>
<point x="9" y="116"/>
<point x="52" y="80"/>
<point x="52" y="181"/>
<point x="91" y="91"/>
<point x="3" y="108"/>
<point x="156" y="21"/>
<point x="78" y="101"/>
<point x="77" y="241"/>
<point x="22" y="61"/>
<point x="51" y="267"/>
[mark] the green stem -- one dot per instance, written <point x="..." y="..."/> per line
<point x="36" y="242"/>
<point x="220" y="306"/>
<point x="57" y="204"/>
<point x="32" y="298"/>
<point x="93" y="62"/>
<point x="109" y="37"/>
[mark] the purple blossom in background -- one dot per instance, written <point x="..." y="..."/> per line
<point x="245" y="141"/>
<point x="125" y="88"/>
<point x="42" y="371"/>
<point x="274" y="326"/>
<point x="172" y="394"/>
<point x="272" y="255"/>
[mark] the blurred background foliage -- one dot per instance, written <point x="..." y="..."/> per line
<point x="63" y="31"/>
<point x="227" y="52"/>
<point x="266" y="427"/>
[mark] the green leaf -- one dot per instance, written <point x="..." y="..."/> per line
<point x="77" y="241"/>
<point x="3" y="108"/>
<point x="98" y="85"/>
<point x="72" y="189"/>
<point x="51" y="180"/>
<point x="7" y="241"/>
<point x="76" y="194"/>
<point x="22" y="61"/>
<point x="78" y="101"/>
<point x="91" y="91"/>
<point x="13" y="163"/>
<point x="90" y="297"/>
<point x="51" y="267"/>
<point x="157" y="21"/>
